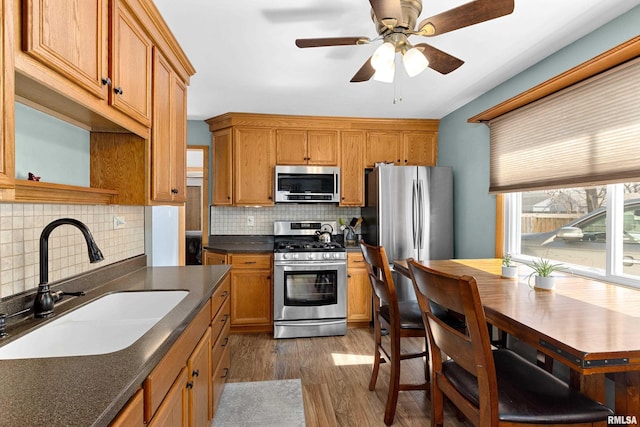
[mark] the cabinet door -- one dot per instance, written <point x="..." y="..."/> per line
<point x="7" y="142"/>
<point x="382" y="146"/>
<point x="250" y="297"/>
<point x="254" y="161"/>
<point x="130" y="65"/>
<point x="132" y="415"/>
<point x="322" y="147"/>
<point x="359" y="297"/>
<point x="169" y="134"/>
<point x="199" y="382"/>
<point x="173" y="410"/>
<point x="420" y="148"/>
<point x="352" y="168"/>
<point x="222" y="167"/>
<point x="213" y="258"/>
<point x="70" y="37"/>
<point x="291" y="147"/>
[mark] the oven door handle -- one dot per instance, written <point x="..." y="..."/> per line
<point x="318" y="265"/>
<point x="308" y="322"/>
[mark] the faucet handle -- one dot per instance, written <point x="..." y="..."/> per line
<point x="3" y="325"/>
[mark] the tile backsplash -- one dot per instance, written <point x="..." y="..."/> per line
<point x="234" y="220"/>
<point x="22" y="224"/>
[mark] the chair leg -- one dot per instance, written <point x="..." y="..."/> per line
<point x="376" y="356"/>
<point x="437" y="406"/>
<point x="394" y="382"/>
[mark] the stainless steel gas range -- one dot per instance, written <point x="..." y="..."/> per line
<point x="310" y="280"/>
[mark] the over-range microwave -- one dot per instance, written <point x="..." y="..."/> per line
<point x="307" y="184"/>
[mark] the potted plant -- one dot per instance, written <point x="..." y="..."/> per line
<point x="542" y="273"/>
<point x="509" y="270"/>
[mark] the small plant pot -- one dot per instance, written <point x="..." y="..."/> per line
<point x="509" y="272"/>
<point x="544" y="282"/>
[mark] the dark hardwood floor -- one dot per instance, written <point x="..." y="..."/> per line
<point x="335" y="373"/>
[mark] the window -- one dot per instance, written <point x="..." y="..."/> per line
<point x="593" y="230"/>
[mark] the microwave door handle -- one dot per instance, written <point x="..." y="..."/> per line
<point x="336" y="180"/>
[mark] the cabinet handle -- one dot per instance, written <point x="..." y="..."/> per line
<point x="190" y="384"/>
<point x="174" y="191"/>
<point x="270" y="198"/>
<point x="196" y="372"/>
<point x="106" y="81"/>
<point x="224" y="294"/>
<point x="348" y="276"/>
<point x="226" y="341"/>
<point x="268" y="277"/>
<point x="228" y="197"/>
<point x="225" y="318"/>
<point x="226" y="372"/>
<point x="118" y="90"/>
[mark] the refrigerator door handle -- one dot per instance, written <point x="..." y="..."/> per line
<point x="414" y="213"/>
<point x="420" y="214"/>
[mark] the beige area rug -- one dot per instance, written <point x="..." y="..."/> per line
<point x="261" y="403"/>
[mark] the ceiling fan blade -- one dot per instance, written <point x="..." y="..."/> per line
<point x="463" y="16"/>
<point x="332" y="41"/>
<point x="387" y="10"/>
<point x="439" y="61"/>
<point x="364" y="73"/>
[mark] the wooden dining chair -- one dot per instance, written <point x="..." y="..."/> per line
<point x="491" y="387"/>
<point x="399" y="319"/>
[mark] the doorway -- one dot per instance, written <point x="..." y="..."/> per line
<point x="197" y="204"/>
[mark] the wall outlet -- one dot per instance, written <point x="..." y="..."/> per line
<point x="251" y="221"/>
<point x="118" y="222"/>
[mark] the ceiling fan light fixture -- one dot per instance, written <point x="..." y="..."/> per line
<point x="385" y="74"/>
<point x="414" y="62"/>
<point x="383" y="56"/>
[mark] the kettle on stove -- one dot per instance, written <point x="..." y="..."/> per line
<point x="324" y="234"/>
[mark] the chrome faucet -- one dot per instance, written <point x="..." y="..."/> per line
<point x="44" y="301"/>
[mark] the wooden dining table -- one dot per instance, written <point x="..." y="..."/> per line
<point x="591" y="326"/>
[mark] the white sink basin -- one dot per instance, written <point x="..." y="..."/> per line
<point x="110" y="323"/>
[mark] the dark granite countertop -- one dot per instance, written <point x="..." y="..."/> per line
<point x="91" y="390"/>
<point x="239" y="243"/>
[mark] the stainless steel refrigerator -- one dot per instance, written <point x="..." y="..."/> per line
<point x="409" y="211"/>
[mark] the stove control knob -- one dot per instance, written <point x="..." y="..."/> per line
<point x="326" y="255"/>
<point x="336" y="255"/>
<point x="285" y="256"/>
<point x="309" y="255"/>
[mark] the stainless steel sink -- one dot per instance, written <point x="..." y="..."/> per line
<point x="108" y="324"/>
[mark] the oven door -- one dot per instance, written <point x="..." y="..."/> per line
<point x="309" y="290"/>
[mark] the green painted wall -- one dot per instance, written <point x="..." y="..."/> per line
<point x="465" y="146"/>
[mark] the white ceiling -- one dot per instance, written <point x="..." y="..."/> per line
<point x="246" y="60"/>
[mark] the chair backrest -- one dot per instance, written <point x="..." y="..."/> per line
<point x="384" y="289"/>
<point x="470" y="350"/>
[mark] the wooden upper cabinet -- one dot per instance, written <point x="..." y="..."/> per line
<point x="352" y="168"/>
<point x="382" y="147"/>
<point x="7" y="157"/>
<point x="69" y="37"/>
<point x="168" y="137"/>
<point x="131" y="58"/>
<point x="402" y="148"/>
<point x="420" y="148"/>
<point x="302" y="147"/>
<point x="253" y="166"/>
<point x="222" y="167"/>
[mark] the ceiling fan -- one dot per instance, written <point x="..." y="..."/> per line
<point x="396" y="21"/>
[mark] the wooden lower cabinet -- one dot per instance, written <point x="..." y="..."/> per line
<point x="132" y="415"/>
<point x="173" y="411"/>
<point x="213" y="258"/>
<point x="251" y="293"/>
<point x="359" y="298"/>
<point x="199" y="369"/>
<point x="220" y="358"/>
<point x="185" y="386"/>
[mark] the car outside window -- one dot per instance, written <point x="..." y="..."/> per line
<point x="570" y="226"/>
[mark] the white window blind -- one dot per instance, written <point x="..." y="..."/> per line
<point x="588" y="133"/>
